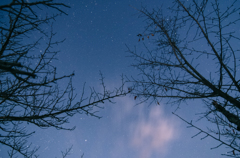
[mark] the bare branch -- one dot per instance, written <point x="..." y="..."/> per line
<point x="195" y="58"/>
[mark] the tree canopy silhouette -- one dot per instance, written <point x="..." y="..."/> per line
<point x="194" y="55"/>
<point x="29" y="89"/>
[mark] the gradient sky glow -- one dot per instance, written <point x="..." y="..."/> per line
<point x="96" y="32"/>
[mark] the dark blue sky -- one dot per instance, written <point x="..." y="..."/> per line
<point x="96" y="33"/>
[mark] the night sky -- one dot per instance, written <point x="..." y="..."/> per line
<point x="96" y="32"/>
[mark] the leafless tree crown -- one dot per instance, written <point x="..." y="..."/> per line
<point x="195" y="56"/>
<point x="29" y="90"/>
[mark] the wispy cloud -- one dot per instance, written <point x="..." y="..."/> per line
<point x="153" y="134"/>
<point x="150" y="130"/>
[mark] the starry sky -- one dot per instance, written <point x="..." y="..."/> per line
<point x="96" y="32"/>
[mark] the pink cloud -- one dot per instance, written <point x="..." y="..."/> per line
<point x="153" y="135"/>
<point x="148" y="130"/>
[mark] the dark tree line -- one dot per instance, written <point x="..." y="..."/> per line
<point x="194" y="56"/>
<point x="29" y="89"/>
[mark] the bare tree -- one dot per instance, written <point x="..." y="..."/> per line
<point x="29" y="90"/>
<point x="194" y="56"/>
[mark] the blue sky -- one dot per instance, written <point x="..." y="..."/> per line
<point x="96" y="32"/>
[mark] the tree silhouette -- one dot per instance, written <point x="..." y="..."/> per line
<point x="194" y="56"/>
<point x="29" y="89"/>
